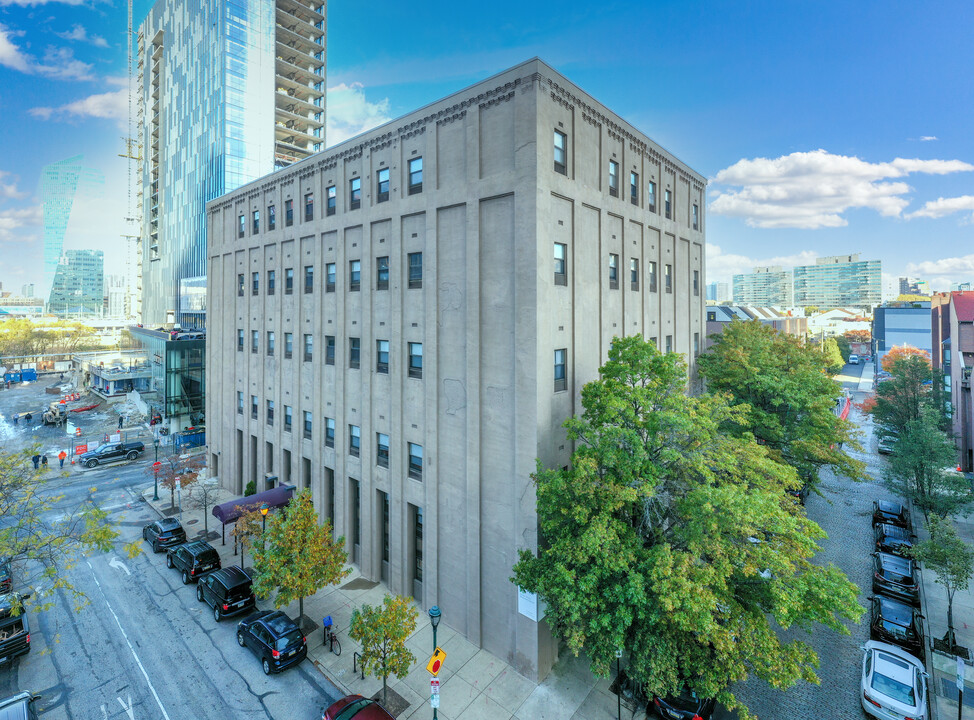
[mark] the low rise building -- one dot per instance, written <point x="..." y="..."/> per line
<point x="952" y="327"/>
<point x="900" y="323"/>
<point x="719" y="316"/>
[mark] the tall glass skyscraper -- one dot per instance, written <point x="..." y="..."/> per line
<point x="79" y="286"/>
<point x="230" y="90"/>
<point x="839" y="281"/>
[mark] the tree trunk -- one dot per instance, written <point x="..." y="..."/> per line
<point x="951" y="638"/>
<point x="172" y="498"/>
<point x="300" y="609"/>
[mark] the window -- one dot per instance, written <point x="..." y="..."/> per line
<point x="270" y="343"/>
<point x="382" y="450"/>
<point x="254" y="340"/>
<point x="696" y="344"/>
<point x="271" y="217"/>
<point x="330" y="277"/>
<point x="415" y="360"/>
<point x="307" y="425"/>
<point x="652" y="196"/>
<point x="254" y="283"/>
<point x="329" y="349"/>
<point x="331" y="199"/>
<point x="668" y="278"/>
<point x="242" y="226"/>
<point x="330" y="432"/>
<point x="417" y="543"/>
<point x="270" y="412"/>
<point x="561" y="362"/>
<point x="613" y="178"/>
<point x="354" y="440"/>
<point x="613" y="271"/>
<point x="239" y="402"/>
<point x="696" y="216"/>
<point x="561" y="264"/>
<point x="415" y="175"/>
<point x="287" y="418"/>
<point x="634" y="273"/>
<point x="289" y="212"/>
<point x="669" y="343"/>
<point x="309" y="347"/>
<point x="382" y="185"/>
<point x="241" y="284"/>
<point x="415" y="461"/>
<point x="355" y="193"/>
<point x="288" y="345"/>
<point x="240" y="340"/>
<point x="634" y="188"/>
<point x="271" y="282"/>
<point x="696" y="283"/>
<point x="309" y="278"/>
<point x="354" y="275"/>
<point x="382" y="273"/>
<point x="652" y="276"/>
<point x="253" y="406"/>
<point x="354" y="353"/>
<point x="561" y="153"/>
<point x="416" y="270"/>
<point x="667" y="205"/>
<point x="654" y="341"/>
<point x="256" y="219"/>
<point x="711" y="316"/>
<point x="288" y="281"/>
<point x="309" y="207"/>
<point x="382" y="356"/>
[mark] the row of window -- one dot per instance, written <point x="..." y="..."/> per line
<point x="561" y="166"/>
<point x="415" y="277"/>
<point x="382" y="176"/>
<point x="561" y="359"/>
<point x="561" y="272"/>
<point x="414" y="349"/>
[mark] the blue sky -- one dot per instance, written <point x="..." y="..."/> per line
<point x="827" y="128"/>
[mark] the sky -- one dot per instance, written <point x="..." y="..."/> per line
<point x="823" y="128"/>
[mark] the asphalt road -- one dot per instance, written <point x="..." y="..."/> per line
<point x="144" y="647"/>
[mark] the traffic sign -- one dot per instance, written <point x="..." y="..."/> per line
<point x="436" y="662"/>
<point x="434" y="693"/>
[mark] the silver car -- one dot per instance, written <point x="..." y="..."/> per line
<point x="894" y="683"/>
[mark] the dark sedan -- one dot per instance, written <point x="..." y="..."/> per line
<point x="274" y="638"/>
<point x="164" y="534"/>
<point x="896" y="622"/>
<point x="893" y="539"/>
<point x="891" y="513"/>
<point x="358" y="707"/>
<point x="895" y="577"/>
<point x="685" y="706"/>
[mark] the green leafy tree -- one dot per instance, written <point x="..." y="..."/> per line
<point x="382" y="632"/>
<point x="912" y="385"/>
<point x="953" y="562"/>
<point x="789" y="398"/>
<point x="298" y="556"/>
<point x="677" y="542"/>
<point x="833" y="356"/>
<point x="845" y="348"/>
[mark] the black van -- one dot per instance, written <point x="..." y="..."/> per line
<point x="193" y="559"/>
<point x="14" y="627"/>
<point x="228" y="591"/>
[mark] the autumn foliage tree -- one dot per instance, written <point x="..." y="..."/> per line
<point x="858" y="336"/>
<point x="903" y="351"/>
<point x="382" y="632"/>
<point x="176" y="468"/>
<point x="247" y="530"/>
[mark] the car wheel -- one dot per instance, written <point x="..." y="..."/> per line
<point x="91" y="463"/>
<point x="240" y="639"/>
<point x="185" y="578"/>
<point x="169" y="561"/>
<point x="132" y="455"/>
<point x="265" y="663"/>
<point x="155" y="546"/>
<point x="144" y="534"/>
<point x="217" y="615"/>
<point x="199" y="593"/>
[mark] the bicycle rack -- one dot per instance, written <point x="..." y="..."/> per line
<point x="355" y="656"/>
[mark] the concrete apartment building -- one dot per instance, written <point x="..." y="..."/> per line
<point x="764" y="287"/>
<point x="952" y="326"/>
<point x="839" y="281"/>
<point x="403" y="322"/>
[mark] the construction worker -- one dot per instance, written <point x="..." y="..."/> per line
<point x="61" y="457"/>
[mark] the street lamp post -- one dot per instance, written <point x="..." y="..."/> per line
<point x="155" y="470"/>
<point x="264" y="507"/>
<point x="434" y="613"/>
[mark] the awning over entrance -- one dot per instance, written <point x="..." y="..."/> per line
<point x="228" y="512"/>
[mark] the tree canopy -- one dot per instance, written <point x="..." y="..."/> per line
<point x="382" y="632"/>
<point x="951" y="560"/>
<point x="900" y="352"/>
<point x="912" y="384"/>
<point x="676" y="542"/>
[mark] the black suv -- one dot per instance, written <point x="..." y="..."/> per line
<point x="164" y="534"/>
<point x="111" y="451"/>
<point x="19" y="706"/>
<point x="274" y="638"/>
<point x="228" y="591"/>
<point x="685" y="706"/>
<point x="193" y="559"/>
<point x="893" y="539"/>
<point x="895" y="622"/>
<point x="895" y="577"/>
<point x="891" y="513"/>
<point x="14" y="628"/>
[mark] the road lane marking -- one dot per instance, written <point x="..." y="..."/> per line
<point x="116" y="563"/>
<point x="132" y="649"/>
<point x="128" y="709"/>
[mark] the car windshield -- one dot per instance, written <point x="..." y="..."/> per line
<point x="893" y="689"/>
<point x="894" y="629"/>
<point x="290" y="638"/>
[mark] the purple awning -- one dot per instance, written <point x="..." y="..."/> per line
<point x="229" y="511"/>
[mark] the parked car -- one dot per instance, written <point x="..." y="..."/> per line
<point x="164" y="533"/>
<point x="801" y="494"/>
<point x="853" y="359"/>
<point x="896" y="622"/>
<point x="685" y="706"/>
<point x="14" y="628"/>
<point x="6" y="578"/>
<point x="193" y="559"/>
<point x="895" y="577"/>
<point x="228" y="591"/>
<point x="358" y="707"/>
<point x="894" y="683"/>
<point x="274" y="638"/>
<point x="110" y="452"/>
<point x="886" y="443"/>
<point x="891" y="513"/>
<point x="19" y="707"/>
<point x="893" y="539"/>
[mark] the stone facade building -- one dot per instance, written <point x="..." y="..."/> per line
<point x="403" y="322"/>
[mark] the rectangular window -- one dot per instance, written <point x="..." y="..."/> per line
<point x="415" y="175"/>
<point x="415" y="461"/>
<point x="242" y="226"/>
<point x="253" y="407"/>
<point x="382" y="185"/>
<point x="330" y="432"/>
<point x="634" y="273"/>
<point x="668" y="278"/>
<point x="309" y="207"/>
<point x="309" y="347"/>
<point x="613" y="178"/>
<point x="356" y="494"/>
<point x="652" y="196"/>
<point x="354" y="353"/>
<point x="417" y="543"/>
<point x="669" y="343"/>
<point x="696" y="283"/>
<point x="354" y="440"/>
<point x="667" y="205"/>
<point x="289" y="212"/>
<point x="241" y="284"/>
<point x="309" y="278"/>
<point x="355" y="193"/>
<point x="254" y="283"/>
<point x="561" y="153"/>
<point x="271" y="217"/>
<point x="288" y="281"/>
<point x="256" y="220"/>
<point x="270" y="343"/>
<point x="329" y="349"/>
<point x="240" y="340"/>
<point x="561" y="370"/>
<point x="382" y="273"/>
<point x="331" y="199"/>
<point x="561" y="264"/>
<point x="330" y="277"/>
<point x="270" y="412"/>
<point x="613" y="271"/>
<point x="696" y="344"/>
<point x="634" y="188"/>
<point x="415" y="360"/>
<point x="416" y="270"/>
<point x="239" y="402"/>
<point x="307" y="425"/>
<point x="271" y="282"/>
<point x="354" y="275"/>
<point x="384" y="509"/>
<point x="382" y="450"/>
<point x="287" y="418"/>
<point x="254" y="341"/>
<point x="696" y="217"/>
<point x="288" y="345"/>
<point x="652" y="276"/>
<point x="382" y="356"/>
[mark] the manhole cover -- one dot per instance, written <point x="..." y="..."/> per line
<point x="192" y="522"/>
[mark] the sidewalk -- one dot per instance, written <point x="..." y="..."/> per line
<point x="474" y="685"/>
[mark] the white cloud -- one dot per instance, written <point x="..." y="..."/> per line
<point x="108" y="106"/>
<point x="10" y="55"/>
<point x="79" y="34"/>
<point x="29" y="3"/>
<point x="959" y="267"/>
<point x="722" y="266"/>
<point x="350" y="113"/>
<point x="944" y="206"/>
<point x="813" y="189"/>
<point x="58" y="62"/>
<point x="18" y="218"/>
<point x="927" y="138"/>
<point x="8" y="190"/>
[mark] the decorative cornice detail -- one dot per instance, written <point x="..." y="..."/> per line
<point x="497" y="100"/>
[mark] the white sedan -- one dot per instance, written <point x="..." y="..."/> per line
<point x="894" y="684"/>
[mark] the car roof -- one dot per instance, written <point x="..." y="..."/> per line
<point x="895" y="611"/>
<point x="279" y="623"/>
<point x="892" y="651"/>
<point x="357" y="707"/>
<point x="232" y="576"/>
<point x="198" y="546"/>
<point x="895" y="562"/>
<point x="891" y="507"/>
<point x="894" y="531"/>
<point x="168" y="523"/>
<point x="15" y="706"/>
